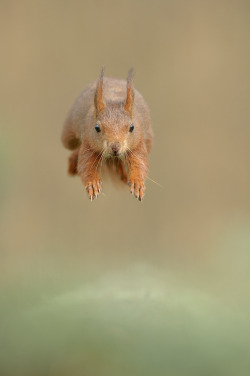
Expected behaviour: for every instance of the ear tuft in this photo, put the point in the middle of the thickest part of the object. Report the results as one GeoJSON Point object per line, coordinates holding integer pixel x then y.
{"type": "Point", "coordinates": [130, 93]}
{"type": "Point", "coordinates": [99, 104]}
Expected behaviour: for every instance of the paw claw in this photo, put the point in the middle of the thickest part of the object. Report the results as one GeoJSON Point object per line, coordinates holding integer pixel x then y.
{"type": "Point", "coordinates": [93, 189]}
{"type": "Point", "coordinates": [137, 188]}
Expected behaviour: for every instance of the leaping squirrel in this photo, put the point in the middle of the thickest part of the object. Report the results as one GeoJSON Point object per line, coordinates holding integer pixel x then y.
{"type": "Point", "coordinates": [109, 121]}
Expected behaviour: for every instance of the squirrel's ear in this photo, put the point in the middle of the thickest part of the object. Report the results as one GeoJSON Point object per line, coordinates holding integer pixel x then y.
{"type": "Point", "coordinates": [99, 104]}
{"type": "Point", "coordinates": [130, 93]}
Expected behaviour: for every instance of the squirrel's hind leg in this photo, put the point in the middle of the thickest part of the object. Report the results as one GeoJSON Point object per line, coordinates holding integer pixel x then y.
{"type": "Point", "coordinates": [117, 167]}
{"type": "Point", "coordinates": [73, 161]}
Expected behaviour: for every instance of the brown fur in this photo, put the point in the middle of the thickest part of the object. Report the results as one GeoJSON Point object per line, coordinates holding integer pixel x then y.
{"type": "Point", "coordinates": [114, 105]}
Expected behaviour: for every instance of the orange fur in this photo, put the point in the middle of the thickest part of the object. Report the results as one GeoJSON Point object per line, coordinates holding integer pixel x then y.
{"type": "Point", "coordinates": [98, 129]}
{"type": "Point", "coordinates": [99, 104]}
{"type": "Point", "coordinates": [130, 94]}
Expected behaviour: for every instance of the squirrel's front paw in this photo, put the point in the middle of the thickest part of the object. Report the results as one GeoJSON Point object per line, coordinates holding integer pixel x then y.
{"type": "Point", "coordinates": [137, 188]}
{"type": "Point", "coordinates": [93, 189]}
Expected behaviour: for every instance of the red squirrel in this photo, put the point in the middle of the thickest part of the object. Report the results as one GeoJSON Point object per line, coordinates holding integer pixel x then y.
{"type": "Point", "coordinates": [109, 121]}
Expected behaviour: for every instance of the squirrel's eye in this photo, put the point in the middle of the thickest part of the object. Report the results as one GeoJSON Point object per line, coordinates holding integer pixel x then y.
{"type": "Point", "coordinates": [131, 128]}
{"type": "Point", "coordinates": [97, 128]}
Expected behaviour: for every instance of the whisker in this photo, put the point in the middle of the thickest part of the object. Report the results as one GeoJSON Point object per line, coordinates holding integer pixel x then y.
{"type": "Point", "coordinates": [155, 182]}
{"type": "Point", "coordinates": [96, 158]}
{"type": "Point", "coordinates": [134, 155]}
{"type": "Point", "coordinates": [100, 159]}
{"type": "Point", "coordinates": [139, 160]}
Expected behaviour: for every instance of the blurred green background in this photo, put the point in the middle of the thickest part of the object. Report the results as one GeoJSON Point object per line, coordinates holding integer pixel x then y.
{"type": "Point", "coordinates": [116, 287]}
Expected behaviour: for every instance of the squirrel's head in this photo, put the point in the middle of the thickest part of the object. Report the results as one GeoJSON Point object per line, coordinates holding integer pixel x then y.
{"type": "Point", "coordinates": [114, 130]}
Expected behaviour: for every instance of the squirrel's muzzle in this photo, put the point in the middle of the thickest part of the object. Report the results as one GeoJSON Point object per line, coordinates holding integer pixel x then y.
{"type": "Point", "coordinates": [115, 147]}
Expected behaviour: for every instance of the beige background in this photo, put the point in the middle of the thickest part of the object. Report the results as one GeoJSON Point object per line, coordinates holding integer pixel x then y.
{"type": "Point", "coordinates": [116, 287]}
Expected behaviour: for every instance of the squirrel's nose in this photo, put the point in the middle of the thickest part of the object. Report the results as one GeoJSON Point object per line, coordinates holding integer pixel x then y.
{"type": "Point", "coordinates": [115, 148]}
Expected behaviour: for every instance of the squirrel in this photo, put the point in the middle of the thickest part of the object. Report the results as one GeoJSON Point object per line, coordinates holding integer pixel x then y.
{"type": "Point", "coordinates": [109, 121]}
